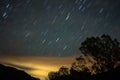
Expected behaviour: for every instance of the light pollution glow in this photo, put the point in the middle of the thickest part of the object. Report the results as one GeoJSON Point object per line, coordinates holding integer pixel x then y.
{"type": "Point", "coordinates": [36, 66]}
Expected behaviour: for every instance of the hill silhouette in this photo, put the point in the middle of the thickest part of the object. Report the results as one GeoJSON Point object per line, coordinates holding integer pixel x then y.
{"type": "Point", "coordinates": [10, 73]}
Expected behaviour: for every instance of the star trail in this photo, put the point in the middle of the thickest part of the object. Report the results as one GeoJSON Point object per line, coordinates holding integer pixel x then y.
{"type": "Point", "coordinates": [54, 27]}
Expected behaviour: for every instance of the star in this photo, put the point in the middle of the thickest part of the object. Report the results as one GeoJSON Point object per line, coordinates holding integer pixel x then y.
{"type": "Point", "coordinates": [55, 28]}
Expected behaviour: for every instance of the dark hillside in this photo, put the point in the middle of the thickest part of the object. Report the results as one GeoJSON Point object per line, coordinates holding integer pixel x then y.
{"type": "Point", "coordinates": [10, 73]}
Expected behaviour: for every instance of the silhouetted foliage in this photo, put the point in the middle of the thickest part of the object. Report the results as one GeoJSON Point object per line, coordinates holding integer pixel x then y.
{"type": "Point", "coordinates": [83, 75]}
{"type": "Point", "coordinates": [74, 75]}
{"type": "Point", "coordinates": [100, 55]}
{"type": "Point", "coordinates": [106, 51]}
{"type": "Point", "coordinates": [63, 71]}
{"type": "Point", "coordinates": [83, 62]}
{"type": "Point", "coordinates": [113, 74]}
{"type": "Point", "coordinates": [10, 73]}
{"type": "Point", "coordinates": [53, 75]}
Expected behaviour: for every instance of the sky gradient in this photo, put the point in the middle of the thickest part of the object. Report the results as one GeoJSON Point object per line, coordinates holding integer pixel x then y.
{"type": "Point", "coordinates": [54, 27]}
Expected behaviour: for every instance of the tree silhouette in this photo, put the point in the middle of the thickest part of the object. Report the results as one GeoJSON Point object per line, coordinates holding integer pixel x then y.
{"type": "Point", "coordinates": [84, 74]}
{"type": "Point", "coordinates": [63, 73]}
{"type": "Point", "coordinates": [100, 61]}
{"type": "Point", "coordinates": [106, 51]}
{"type": "Point", "coordinates": [66, 74]}
{"type": "Point", "coordinates": [53, 75]}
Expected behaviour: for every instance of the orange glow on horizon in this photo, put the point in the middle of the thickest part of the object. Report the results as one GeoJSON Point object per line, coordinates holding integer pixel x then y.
{"type": "Point", "coordinates": [37, 66]}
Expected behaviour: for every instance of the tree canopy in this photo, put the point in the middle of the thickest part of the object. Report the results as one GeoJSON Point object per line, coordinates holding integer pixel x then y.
{"type": "Point", "coordinates": [100, 60]}
{"type": "Point", "coordinates": [104, 49]}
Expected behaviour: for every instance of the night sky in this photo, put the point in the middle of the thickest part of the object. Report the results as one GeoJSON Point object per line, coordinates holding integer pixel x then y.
{"type": "Point", "coordinates": [54, 27]}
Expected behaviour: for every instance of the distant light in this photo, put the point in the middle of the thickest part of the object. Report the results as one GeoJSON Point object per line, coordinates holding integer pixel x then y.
{"type": "Point", "coordinates": [43, 41]}
{"type": "Point", "coordinates": [57, 39]}
{"type": "Point", "coordinates": [27, 34]}
{"type": "Point", "coordinates": [65, 47]}
{"type": "Point", "coordinates": [4, 14]}
{"type": "Point", "coordinates": [80, 7]}
{"type": "Point", "coordinates": [8, 5]}
{"type": "Point", "coordinates": [54, 20]}
{"type": "Point", "coordinates": [68, 15]}
{"type": "Point", "coordinates": [101, 10]}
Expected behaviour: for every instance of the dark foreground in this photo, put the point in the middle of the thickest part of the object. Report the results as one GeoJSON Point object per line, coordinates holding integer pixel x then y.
{"type": "Point", "coordinates": [10, 73]}
{"type": "Point", "coordinates": [113, 74]}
